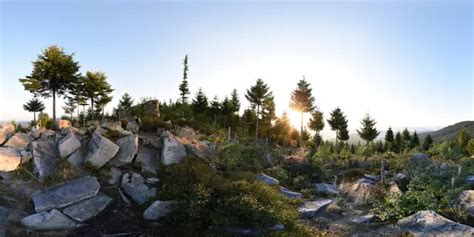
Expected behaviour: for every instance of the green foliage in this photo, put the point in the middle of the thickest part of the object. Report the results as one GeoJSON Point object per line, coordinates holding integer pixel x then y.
{"type": "Point", "coordinates": [261, 100]}
{"type": "Point", "coordinates": [427, 143]}
{"type": "Point", "coordinates": [415, 141]}
{"type": "Point", "coordinates": [34, 105]}
{"type": "Point", "coordinates": [45, 121]}
{"type": "Point", "coordinates": [95, 87]}
{"type": "Point", "coordinates": [368, 132]}
{"type": "Point", "coordinates": [302, 99]}
{"type": "Point", "coordinates": [53, 73]}
{"type": "Point", "coordinates": [240, 157]}
{"type": "Point", "coordinates": [149, 124]}
{"type": "Point", "coordinates": [338, 123]}
{"type": "Point", "coordinates": [449, 150]}
{"type": "Point", "coordinates": [281, 130]}
{"type": "Point", "coordinates": [470, 147]}
{"type": "Point", "coordinates": [125, 104]}
{"type": "Point", "coordinates": [206, 198]}
{"type": "Point", "coordinates": [183, 87]}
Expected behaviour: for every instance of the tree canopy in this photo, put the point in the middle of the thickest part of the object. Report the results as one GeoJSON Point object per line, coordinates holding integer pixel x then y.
{"type": "Point", "coordinates": [368, 132]}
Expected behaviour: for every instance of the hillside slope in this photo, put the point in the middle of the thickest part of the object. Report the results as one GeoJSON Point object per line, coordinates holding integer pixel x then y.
{"type": "Point", "coordinates": [450, 132]}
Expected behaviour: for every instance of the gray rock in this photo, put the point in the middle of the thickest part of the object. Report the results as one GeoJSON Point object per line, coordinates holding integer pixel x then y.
{"type": "Point", "coordinates": [328, 189]}
{"type": "Point", "coordinates": [152, 180]}
{"type": "Point", "coordinates": [112, 126]}
{"type": "Point", "coordinates": [420, 158]}
{"type": "Point", "coordinates": [429, 223]}
{"type": "Point", "coordinates": [465, 202]}
{"type": "Point", "coordinates": [311, 208]}
{"type": "Point", "coordinates": [133, 126]}
{"type": "Point", "coordinates": [45, 157]}
{"type": "Point", "coordinates": [267, 179]}
{"type": "Point", "coordinates": [173, 151]}
{"type": "Point", "coordinates": [402, 181]}
{"type": "Point", "coordinates": [360, 191]}
{"type": "Point", "coordinates": [88, 208]}
{"type": "Point", "coordinates": [363, 219]}
{"type": "Point", "coordinates": [128, 149]}
{"type": "Point", "coordinates": [290, 194]}
{"type": "Point", "coordinates": [148, 159]}
{"type": "Point", "coordinates": [52, 220]}
{"type": "Point", "coordinates": [152, 108]}
{"type": "Point", "coordinates": [134, 185]}
{"type": "Point", "coordinates": [25, 156]}
{"type": "Point", "coordinates": [68, 145]}
{"type": "Point", "coordinates": [6, 131]}
{"type": "Point", "coordinates": [10, 159]}
{"type": "Point", "coordinates": [470, 180]}
{"type": "Point", "coordinates": [66, 194]}
{"type": "Point", "coordinates": [204, 150]}
{"type": "Point", "coordinates": [19, 141]}
{"type": "Point", "coordinates": [393, 188]}
{"type": "Point", "coordinates": [375, 178]}
{"type": "Point", "coordinates": [158, 209]}
{"type": "Point", "coordinates": [115, 176]}
{"type": "Point", "coordinates": [76, 159]}
{"type": "Point", "coordinates": [101, 150]}
{"type": "Point", "coordinates": [47, 134]}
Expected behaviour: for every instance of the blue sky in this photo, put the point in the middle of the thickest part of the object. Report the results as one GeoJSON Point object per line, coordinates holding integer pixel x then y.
{"type": "Point", "coordinates": [407, 63]}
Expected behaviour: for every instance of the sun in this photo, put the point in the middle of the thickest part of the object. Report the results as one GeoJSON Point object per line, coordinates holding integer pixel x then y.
{"type": "Point", "coordinates": [295, 118]}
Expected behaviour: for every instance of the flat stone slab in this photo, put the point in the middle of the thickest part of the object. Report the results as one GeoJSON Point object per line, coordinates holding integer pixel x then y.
{"type": "Point", "coordinates": [66, 194]}
{"type": "Point", "coordinates": [290, 194]}
{"type": "Point", "coordinates": [10, 159]}
{"type": "Point", "coordinates": [101, 150]}
{"type": "Point", "coordinates": [267, 179]}
{"type": "Point", "coordinates": [158, 209]}
{"type": "Point", "coordinates": [88, 208]}
{"type": "Point", "coordinates": [311, 208]}
{"type": "Point", "coordinates": [45, 157]}
{"type": "Point", "coordinates": [49, 220]}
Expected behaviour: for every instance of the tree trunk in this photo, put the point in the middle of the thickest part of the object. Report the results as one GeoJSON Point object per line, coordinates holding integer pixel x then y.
{"type": "Point", "coordinates": [34, 118]}
{"type": "Point", "coordinates": [256, 127]}
{"type": "Point", "coordinates": [54, 106]}
{"type": "Point", "coordinates": [301, 130]}
{"type": "Point", "coordinates": [92, 107]}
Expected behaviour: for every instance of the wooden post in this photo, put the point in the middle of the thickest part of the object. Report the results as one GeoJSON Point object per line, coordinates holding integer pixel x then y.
{"type": "Point", "coordinates": [382, 171]}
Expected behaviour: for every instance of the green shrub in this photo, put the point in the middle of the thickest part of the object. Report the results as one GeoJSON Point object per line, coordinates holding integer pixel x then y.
{"type": "Point", "coordinates": [150, 124]}
{"type": "Point", "coordinates": [240, 157]}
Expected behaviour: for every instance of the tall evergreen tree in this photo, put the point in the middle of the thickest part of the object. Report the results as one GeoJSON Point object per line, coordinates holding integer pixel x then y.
{"type": "Point", "coordinates": [215, 107]}
{"type": "Point", "coordinates": [389, 139]}
{"type": "Point", "coordinates": [415, 141]}
{"type": "Point", "coordinates": [70, 106]}
{"type": "Point", "coordinates": [96, 88]}
{"type": "Point", "coordinates": [234, 98]}
{"type": "Point", "coordinates": [200, 103]}
{"type": "Point", "coordinates": [338, 123]}
{"type": "Point", "coordinates": [368, 132]}
{"type": "Point", "coordinates": [427, 142]}
{"type": "Point", "coordinates": [183, 87]}
{"type": "Point", "coordinates": [34, 105]}
{"type": "Point", "coordinates": [398, 144]}
{"type": "Point", "coordinates": [281, 130]}
{"type": "Point", "coordinates": [53, 72]}
{"type": "Point", "coordinates": [126, 102]}
{"type": "Point", "coordinates": [463, 138]}
{"type": "Point", "coordinates": [316, 123]}
{"type": "Point", "coordinates": [406, 138]}
{"type": "Point", "coordinates": [257, 95]}
{"type": "Point", "coordinates": [302, 100]}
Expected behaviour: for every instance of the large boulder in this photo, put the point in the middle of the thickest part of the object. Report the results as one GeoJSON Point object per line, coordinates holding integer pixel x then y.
{"type": "Point", "coordinates": [465, 202]}
{"type": "Point", "coordinates": [101, 150]}
{"type": "Point", "coordinates": [68, 145]}
{"type": "Point", "coordinates": [429, 223]}
{"type": "Point", "coordinates": [158, 209]}
{"type": "Point", "coordinates": [76, 159]}
{"type": "Point", "coordinates": [360, 191]}
{"type": "Point", "coordinates": [128, 149]}
{"type": "Point", "coordinates": [173, 151]}
{"type": "Point", "coordinates": [64, 123]}
{"type": "Point", "coordinates": [152, 108]}
{"type": "Point", "coordinates": [19, 141]}
{"type": "Point", "coordinates": [45, 157]}
{"type": "Point", "coordinates": [148, 159]}
{"type": "Point", "coordinates": [10, 159]}
{"type": "Point", "coordinates": [134, 185]}
{"type": "Point", "coordinates": [115, 126]}
{"type": "Point", "coordinates": [325, 188]}
{"type": "Point", "coordinates": [52, 220]}
{"type": "Point", "coordinates": [66, 194]}
{"type": "Point", "coordinates": [203, 150]}
{"type": "Point", "coordinates": [25, 156]}
{"type": "Point", "coordinates": [311, 208]}
{"type": "Point", "coordinates": [267, 179]}
{"type": "Point", "coordinates": [88, 208]}
{"type": "Point", "coordinates": [6, 131]}
{"type": "Point", "coordinates": [132, 126]}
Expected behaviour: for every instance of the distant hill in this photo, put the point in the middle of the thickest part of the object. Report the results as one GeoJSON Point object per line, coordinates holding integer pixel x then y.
{"type": "Point", "coordinates": [449, 132]}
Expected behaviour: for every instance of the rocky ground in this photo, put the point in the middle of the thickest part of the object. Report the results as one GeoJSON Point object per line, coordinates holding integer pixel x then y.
{"type": "Point", "coordinates": [100, 181]}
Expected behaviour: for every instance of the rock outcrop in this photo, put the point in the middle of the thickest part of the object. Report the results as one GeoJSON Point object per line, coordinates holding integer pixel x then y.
{"type": "Point", "coordinates": [66, 194]}
{"type": "Point", "coordinates": [10, 159]}
{"type": "Point", "coordinates": [68, 145]}
{"type": "Point", "coordinates": [429, 223]}
{"type": "Point", "coordinates": [19, 141]}
{"type": "Point", "coordinates": [148, 159]}
{"type": "Point", "coordinates": [45, 157]}
{"type": "Point", "coordinates": [172, 151]}
{"type": "Point", "coordinates": [6, 131]}
{"type": "Point", "coordinates": [101, 150]}
{"type": "Point", "coordinates": [128, 149]}
{"type": "Point", "coordinates": [134, 185]}
{"type": "Point", "coordinates": [465, 202]}
{"type": "Point", "coordinates": [290, 194]}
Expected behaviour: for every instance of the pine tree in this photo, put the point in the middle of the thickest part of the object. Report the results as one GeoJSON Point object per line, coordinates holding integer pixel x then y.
{"type": "Point", "coordinates": [406, 138]}
{"type": "Point", "coordinates": [200, 103]}
{"type": "Point", "coordinates": [234, 98]}
{"type": "Point", "coordinates": [34, 105]}
{"type": "Point", "coordinates": [183, 87]}
{"type": "Point", "coordinates": [70, 106]}
{"type": "Point", "coordinates": [302, 100]}
{"type": "Point", "coordinates": [96, 89]}
{"type": "Point", "coordinates": [368, 132]}
{"type": "Point", "coordinates": [415, 141]}
{"type": "Point", "coordinates": [126, 102]}
{"type": "Point", "coordinates": [398, 142]}
{"type": "Point", "coordinates": [316, 123]}
{"type": "Point", "coordinates": [427, 142]}
{"type": "Point", "coordinates": [338, 123]}
{"type": "Point", "coordinates": [463, 138]}
{"type": "Point", "coordinates": [258, 95]}
{"type": "Point", "coordinates": [215, 107]}
{"type": "Point", "coordinates": [281, 130]}
{"type": "Point", "coordinates": [389, 139]}
{"type": "Point", "coordinates": [52, 74]}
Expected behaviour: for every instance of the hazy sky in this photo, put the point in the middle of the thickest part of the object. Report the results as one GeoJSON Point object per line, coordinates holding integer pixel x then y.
{"type": "Point", "coordinates": [408, 63]}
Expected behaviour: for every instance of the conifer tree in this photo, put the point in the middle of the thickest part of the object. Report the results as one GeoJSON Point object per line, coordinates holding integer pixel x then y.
{"type": "Point", "coordinates": [34, 105]}
{"type": "Point", "coordinates": [302, 100]}
{"type": "Point", "coordinates": [398, 144]}
{"type": "Point", "coordinates": [258, 95]}
{"type": "Point", "coordinates": [415, 141]}
{"type": "Point", "coordinates": [96, 89]}
{"type": "Point", "coordinates": [215, 107]}
{"type": "Point", "coordinates": [316, 123]}
{"type": "Point", "coordinates": [281, 130]}
{"type": "Point", "coordinates": [200, 103]}
{"type": "Point", "coordinates": [427, 142]}
{"type": "Point", "coordinates": [463, 138]}
{"type": "Point", "coordinates": [406, 138]}
{"type": "Point", "coordinates": [389, 139]}
{"type": "Point", "coordinates": [368, 132]}
{"type": "Point", "coordinates": [235, 101]}
{"type": "Point", "coordinates": [183, 87]}
{"type": "Point", "coordinates": [338, 123]}
{"type": "Point", "coordinates": [53, 72]}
